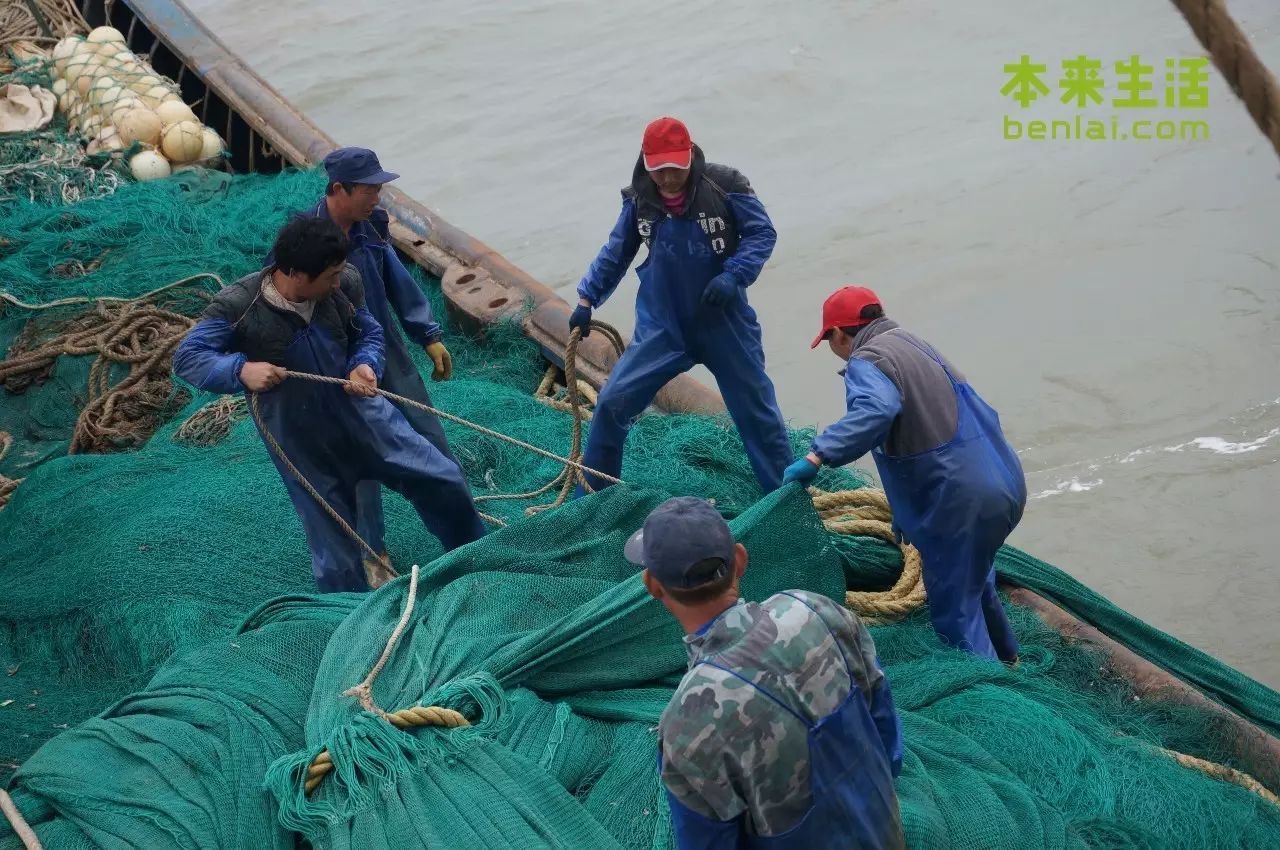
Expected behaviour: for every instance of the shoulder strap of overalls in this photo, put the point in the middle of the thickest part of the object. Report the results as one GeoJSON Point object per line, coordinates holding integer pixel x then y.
{"type": "Point", "coordinates": [834, 639]}
{"type": "Point", "coordinates": [758, 687]}
{"type": "Point", "coordinates": [770, 694]}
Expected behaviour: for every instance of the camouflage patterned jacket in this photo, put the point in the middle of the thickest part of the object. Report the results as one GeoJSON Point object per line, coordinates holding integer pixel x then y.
{"type": "Point", "coordinates": [728, 750]}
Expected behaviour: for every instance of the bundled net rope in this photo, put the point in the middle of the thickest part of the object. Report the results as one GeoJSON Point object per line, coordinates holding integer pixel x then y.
{"type": "Point", "coordinates": [134, 334]}
{"type": "Point", "coordinates": [212, 423]}
{"type": "Point", "coordinates": [39, 21]}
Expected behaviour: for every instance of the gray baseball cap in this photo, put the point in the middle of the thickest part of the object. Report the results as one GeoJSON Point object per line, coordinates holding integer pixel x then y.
{"type": "Point", "coordinates": [679, 534]}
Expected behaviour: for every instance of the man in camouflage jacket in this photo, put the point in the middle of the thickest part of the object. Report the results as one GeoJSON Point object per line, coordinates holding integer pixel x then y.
{"type": "Point", "coordinates": [783, 733]}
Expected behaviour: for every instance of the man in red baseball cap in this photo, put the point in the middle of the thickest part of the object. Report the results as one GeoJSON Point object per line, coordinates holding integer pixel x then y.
{"type": "Point", "coordinates": [955, 485]}
{"type": "Point", "coordinates": [708, 237]}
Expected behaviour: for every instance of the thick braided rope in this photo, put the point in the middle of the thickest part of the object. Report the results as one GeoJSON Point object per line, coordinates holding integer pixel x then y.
{"type": "Point", "coordinates": [7, 485]}
{"type": "Point", "coordinates": [866, 512]}
{"type": "Point", "coordinates": [1227, 774]}
{"type": "Point", "coordinates": [572, 475]}
{"type": "Point", "coordinates": [1237, 61]}
{"type": "Point", "coordinates": [119, 330]}
{"type": "Point", "coordinates": [576, 389]}
{"type": "Point", "coordinates": [405, 718]}
{"type": "Point", "coordinates": [21, 828]}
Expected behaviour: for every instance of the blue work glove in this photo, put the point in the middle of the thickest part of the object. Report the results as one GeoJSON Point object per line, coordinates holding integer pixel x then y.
{"type": "Point", "coordinates": [803, 470]}
{"type": "Point", "coordinates": [581, 318]}
{"type": "Point", "coordinates": [718, 292]}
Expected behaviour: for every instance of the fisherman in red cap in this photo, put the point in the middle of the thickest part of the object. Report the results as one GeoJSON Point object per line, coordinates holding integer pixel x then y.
{"type": "Point", "coordinates": [708, 237]}
{"type": "Point", "coordinates": [954, 484]}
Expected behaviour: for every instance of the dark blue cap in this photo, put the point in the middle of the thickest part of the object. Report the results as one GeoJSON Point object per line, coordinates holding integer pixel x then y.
{"type": "Point", "coordinates": [679, 534]}
{"type": "Point", "coordinates": [356, 165]}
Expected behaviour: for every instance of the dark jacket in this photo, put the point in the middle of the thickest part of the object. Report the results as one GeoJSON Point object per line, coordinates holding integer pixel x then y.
{"type": "Point", "coordinates": [241, 326]}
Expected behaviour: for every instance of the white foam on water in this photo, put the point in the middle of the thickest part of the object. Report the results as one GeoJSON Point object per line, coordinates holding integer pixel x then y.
{"type": "Point", "coordinates": [1073, 485]}
{"type": "Point", "coordinates": [1219, 445]}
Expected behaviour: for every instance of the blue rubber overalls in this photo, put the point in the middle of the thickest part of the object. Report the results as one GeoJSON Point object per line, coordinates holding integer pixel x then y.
{"type": "Point", "coordinates": [337, 441]}
{"type": "Point", "coordinates": [855, 752]}
{"type": "Point", "coordinates": [674, 330]}
{"type": "Point", "coordinates": [957, 504]}
{"type": "Point", "coordinates": [388, 284]}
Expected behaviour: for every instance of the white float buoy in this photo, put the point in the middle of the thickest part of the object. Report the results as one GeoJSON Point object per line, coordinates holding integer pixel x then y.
{"type": "Point", "coordinates": [62, 53]}
{"type": "Point", "coordinates": [174, 111]}
{"type": "Point", "coordinates": [123, 105]}
{"type": "Point", "coordinates": [149, 165]}
{"type": "Point", "coordinates": [104, 35]}
{"type": "Point", "coordinates": [210, 144]}
{"type": "Point", "coordinates": [154, 96]}
{"type": "Point", "coordinates": [182, 142]}
{"type": "Point", "coordinates": [139, 125]}
{"type": "Point", "coordinates": [106, 140]}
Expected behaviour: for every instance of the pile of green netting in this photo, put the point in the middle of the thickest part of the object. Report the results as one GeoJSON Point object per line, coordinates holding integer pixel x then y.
{"type": "Point", "coordinates": [167, 673]}
{"type": "Point", "coordinates": [50, 164]}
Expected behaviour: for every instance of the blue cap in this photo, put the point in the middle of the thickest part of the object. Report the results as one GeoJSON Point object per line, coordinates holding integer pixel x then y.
{"type": "Point", "coordinates": [356, 165]}
{"type": "Point", "coordinates": [680, 533]}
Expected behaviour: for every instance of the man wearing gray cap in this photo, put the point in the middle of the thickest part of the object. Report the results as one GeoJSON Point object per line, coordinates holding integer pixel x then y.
{"type": "Point", "coordinates": [783, 732]}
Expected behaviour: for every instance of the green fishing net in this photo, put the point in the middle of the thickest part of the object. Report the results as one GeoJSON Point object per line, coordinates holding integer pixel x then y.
{"type": "Point", "coordinates": [172, 674]}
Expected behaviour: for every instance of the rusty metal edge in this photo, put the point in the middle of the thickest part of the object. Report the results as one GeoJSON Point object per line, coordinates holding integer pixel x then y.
{"type": "Point", "coordinates": [430, 240]}
{"type": "Point", "coordinates": [1257, 750]}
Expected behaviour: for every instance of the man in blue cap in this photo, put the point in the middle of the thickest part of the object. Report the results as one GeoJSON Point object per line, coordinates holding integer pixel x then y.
{"type": "Point", "coordinates": [783, 732]}
{"type": "Point", "coordinates": [351, 199]}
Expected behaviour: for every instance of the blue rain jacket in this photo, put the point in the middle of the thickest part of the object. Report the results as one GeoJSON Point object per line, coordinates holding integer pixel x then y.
{"type": "Point", "coordinates": [722, 229]}
{"type": "Point", "coordinates": [388, 286]}
{"type": "Point", "coordinates": [335, 440]}
{"type": "Point", "coordinates": [956, 503]}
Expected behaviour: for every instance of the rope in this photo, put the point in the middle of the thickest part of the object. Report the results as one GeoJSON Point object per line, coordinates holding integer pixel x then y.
{"type": "Point", "coordinates": [40, 20]}
{"type": "Point", "coordinates": [19, 824]}
{"type": "Point", "coordinates": [364, 690]}
{"type": "Point", "coordinates": [1221, 771]}
{"type": "Point", "coordinates": [405, 718]}
{"type": "Point", "coordinates": [302, 479]}
{"type": "Point", "coordinates": [866, 512]}
{"type": "Point", "coordinates": [568, 477]}
{"type": "Point", "coordinates": [7, 485]}
{"type": "Point", "coordinates": [488, 432]}
{"type": "Point", "coordinates": [119, 331]}
{"type": "Point", "coordinates": [1237, 61]}
{"type": "Point", "coordinates": [95, 299]}
{"type": "Point", "coordinates": [212, 423]}
{"type": "Point", "coordinates": [571, 475]}
{"type": "Point", "coordinates": [549, 395]}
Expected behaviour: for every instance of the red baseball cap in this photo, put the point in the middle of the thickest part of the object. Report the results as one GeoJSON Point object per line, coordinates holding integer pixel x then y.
{"type": "Point", "coordinates": [667, 145]}
{"type": "Point", "coordinates": [844, 310]}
